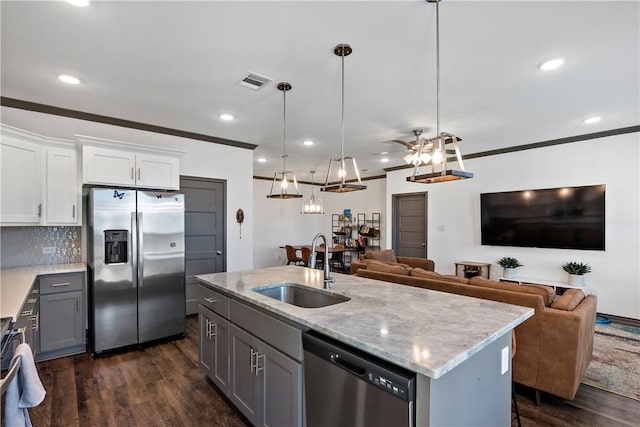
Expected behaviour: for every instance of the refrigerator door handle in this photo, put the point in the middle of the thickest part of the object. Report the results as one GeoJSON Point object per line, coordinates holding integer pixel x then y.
{"type": "Point", "coordinates": [140, 250]}
{"type": "Point", "coordinates": [133, 253]}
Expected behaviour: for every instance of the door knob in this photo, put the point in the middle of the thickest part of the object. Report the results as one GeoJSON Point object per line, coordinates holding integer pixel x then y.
{"type": "Point", "coordinates": [219, 252]}
{"type": "Point", "coordinates": [423, 245]}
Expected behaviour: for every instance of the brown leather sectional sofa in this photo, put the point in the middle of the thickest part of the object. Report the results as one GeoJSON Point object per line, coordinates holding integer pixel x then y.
{"type": "Point", "coordinates": [554, 346]}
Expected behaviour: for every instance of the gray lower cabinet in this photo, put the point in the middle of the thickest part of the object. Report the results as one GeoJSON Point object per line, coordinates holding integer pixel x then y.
{"type": "Point", "coordinates": [61, 316]}
{"type": "Point", "coordinates": [265, 385]}
{"type": "Point", "coordinates": [214, 347]}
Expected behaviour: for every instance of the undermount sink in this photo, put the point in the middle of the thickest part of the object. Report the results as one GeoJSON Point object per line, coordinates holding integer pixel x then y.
{"type": "Point", "coordinates": [300, 295]}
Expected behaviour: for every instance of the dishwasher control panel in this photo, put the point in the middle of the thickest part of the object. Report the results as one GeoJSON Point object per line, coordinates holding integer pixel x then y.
{"type": "Point", "coordinates": [392, 387]}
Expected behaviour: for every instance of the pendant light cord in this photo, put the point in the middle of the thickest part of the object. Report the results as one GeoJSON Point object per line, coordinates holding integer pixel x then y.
{"type": "Point", "coordinates": [438, 76]}
{"type": "Point", "coordinates": [284, 133]}
{"type": "Point", "coordinates": [342, 166]}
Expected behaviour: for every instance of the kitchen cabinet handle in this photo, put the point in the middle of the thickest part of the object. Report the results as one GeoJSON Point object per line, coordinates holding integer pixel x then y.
{"type": "Point", "coordinates": [32, 300]}
{"type": "Point", "coordinates": [35, 325]}
{"type": "Point", "coordinates": [208, 331]}
{"type": "Point", "coordinates": [210, 300]}
{"type": "Point", "coordinates": [132, 173]}
{"type": "Point", "coordinates": [57, 285]}
{"type": "Point", "coordinates": [77, 307]}
{"type": "Point", "coordinates": [258, 368]}
{"type": "Point", "coordinates": [253, 366]}
{"type": "Point", "coordinates": [39, 209]}
{"type": "Point", "coordinates": [214, 331]}
{"type": "Point", "coordinates": [35, 291]}
{"type": "Point", "coordinates": [138, 174]}
{"type": "Point", "coordinates": [27, 312]}
{"type": "Point", "coordinates": [73, 211]}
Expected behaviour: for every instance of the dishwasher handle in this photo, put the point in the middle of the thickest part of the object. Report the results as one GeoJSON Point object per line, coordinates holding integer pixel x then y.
{"type": "Point", "coordinates": [348, 366]}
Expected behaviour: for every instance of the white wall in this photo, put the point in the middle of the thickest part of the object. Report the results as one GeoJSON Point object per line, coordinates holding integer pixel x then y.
{"type": "Point", "coordinates": [201, 159]}
{"type": "Point", "coordinates": [279, 222]}
{"type": "Point", "coordinates": [614, 161]}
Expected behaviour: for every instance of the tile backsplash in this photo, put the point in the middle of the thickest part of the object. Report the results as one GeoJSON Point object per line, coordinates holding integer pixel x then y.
{"type": "Point", "coordinates": [20, 246]}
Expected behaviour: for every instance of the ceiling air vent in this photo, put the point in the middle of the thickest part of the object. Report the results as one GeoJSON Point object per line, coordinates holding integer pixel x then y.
{"type": "Point", "coordinates": [254, 81]}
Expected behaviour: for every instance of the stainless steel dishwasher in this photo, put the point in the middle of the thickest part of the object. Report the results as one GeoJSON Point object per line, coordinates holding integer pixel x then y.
{"type": "Point", "coordinates": [347, 387]}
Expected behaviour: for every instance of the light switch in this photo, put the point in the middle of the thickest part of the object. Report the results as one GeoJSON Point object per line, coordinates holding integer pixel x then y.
{"type": "Point", "coordinates": [505, 361]}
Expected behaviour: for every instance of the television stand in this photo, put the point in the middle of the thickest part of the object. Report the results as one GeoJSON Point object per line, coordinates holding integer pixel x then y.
{"type": "Point", "coordinates": [555, 284]}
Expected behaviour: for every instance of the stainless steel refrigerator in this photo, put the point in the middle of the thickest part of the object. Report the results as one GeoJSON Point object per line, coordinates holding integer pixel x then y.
{"type": "Point", "coordinates": [136, 267]}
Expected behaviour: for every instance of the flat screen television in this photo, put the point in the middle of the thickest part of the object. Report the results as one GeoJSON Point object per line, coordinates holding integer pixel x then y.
{"type": "Point", "coordinates": [562, 218]}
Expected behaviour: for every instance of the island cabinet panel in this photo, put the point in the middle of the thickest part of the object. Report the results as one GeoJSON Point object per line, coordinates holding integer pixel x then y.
{"type": "Point", "coordinates": [244, 382]}
{"type": "Point", "coordinates": [214, 347]}
{"type": "Point", "coordinates": [265, 385]}
{"type": "Point", "coordinates": [280, 389]}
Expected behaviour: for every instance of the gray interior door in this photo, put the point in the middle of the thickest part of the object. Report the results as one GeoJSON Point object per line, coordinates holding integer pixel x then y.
{"type": "Point", "coordinates": [205, 242]}
{"type": "Point", "coordinates": [410, 224]}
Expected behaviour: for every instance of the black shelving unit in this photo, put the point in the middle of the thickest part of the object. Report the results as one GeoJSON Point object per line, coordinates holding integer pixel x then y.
{"type": "Point", "coordinates": [342, 229]}
{"type": "Point", "coordinates": [368, 232]}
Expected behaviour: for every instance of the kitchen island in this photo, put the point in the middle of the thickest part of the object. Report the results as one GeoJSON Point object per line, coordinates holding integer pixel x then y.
{"type": "Point", "coordinates": [456, 345]}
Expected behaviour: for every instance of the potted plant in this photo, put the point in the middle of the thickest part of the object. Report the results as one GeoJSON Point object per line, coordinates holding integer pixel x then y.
{"type": "Point", "coordinates": [509, 266]}
{"type": "Point", "coordinates": [576, 271]}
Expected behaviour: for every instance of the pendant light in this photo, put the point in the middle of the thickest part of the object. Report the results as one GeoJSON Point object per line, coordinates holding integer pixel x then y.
{"type": "Point", "coordinates": [435, 148]}
{"type": "Point", "coordinates": [312, 205]}
{"type": "Point", "coordinates": [286, 192]}
{"type": "Point", "coordinates": [341, 185]}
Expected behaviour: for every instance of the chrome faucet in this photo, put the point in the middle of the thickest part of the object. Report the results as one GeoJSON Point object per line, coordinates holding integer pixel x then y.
{"type": "Point", "coordinates": [327, 278]}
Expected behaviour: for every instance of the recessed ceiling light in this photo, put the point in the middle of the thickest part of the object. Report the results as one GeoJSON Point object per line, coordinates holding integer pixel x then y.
{"type": "Point", "coordinates": [69, 79]}
{"type": "Point", "coordinates": [262, 160]}
{"type": "Point", "coordinates": [79, 3]}
{"type": "Point", "coordinates": [307, 142]}
{"type": "Point", "coordinates": [551, 64]}
{"type": "Point", "coordinates": [592, 120]}
{"type": "Point", "coordinates": [384, 159]}
{"type": "Point", "coordinates": [226, 117]}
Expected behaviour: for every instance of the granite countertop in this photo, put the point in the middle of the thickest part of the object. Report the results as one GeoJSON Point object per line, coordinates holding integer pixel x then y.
{"type": "Point", "coordinates": [15, 284]}
{"type": "Point", "coordinates": [425, 331]}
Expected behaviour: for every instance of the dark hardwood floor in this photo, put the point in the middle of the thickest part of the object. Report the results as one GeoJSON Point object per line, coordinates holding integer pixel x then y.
{"type": "Point", "coordinates": [163, 386]}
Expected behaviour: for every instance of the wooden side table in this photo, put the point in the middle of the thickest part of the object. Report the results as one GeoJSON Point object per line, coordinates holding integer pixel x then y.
{"type": "Point", "coordinates": [482, 268]}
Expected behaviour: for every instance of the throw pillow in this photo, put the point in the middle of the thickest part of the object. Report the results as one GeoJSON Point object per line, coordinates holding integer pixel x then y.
{"type": "Point", "coordinates": [384, 267]}
{"type": "Point", "coordinates": [547, 293]}
{"type": "Point", "coordinates": [569, 300]}
{"type": "Point", "coordinates": [386, 255]}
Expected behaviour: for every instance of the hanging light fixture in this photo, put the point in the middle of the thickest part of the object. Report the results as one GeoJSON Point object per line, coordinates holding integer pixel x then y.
{"type": "Point", "coordinates": [435, 148]}
{"type": "Point", "coordinates": [341, 185]}
{"type": "Point", "coordinates": [312, 205]}
{"type": "Point", "coordinates": [286, 192]}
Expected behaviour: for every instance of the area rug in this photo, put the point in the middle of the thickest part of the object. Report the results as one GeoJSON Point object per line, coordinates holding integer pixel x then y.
{"type": "Point", "coordinates": [615, 365]}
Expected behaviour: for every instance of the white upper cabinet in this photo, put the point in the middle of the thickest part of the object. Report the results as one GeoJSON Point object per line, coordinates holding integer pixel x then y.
{"type": "Point", "coordinates": [40, 183]}
{"type": "Point", "coordinates": [105, 166]}
{"type": "Point", "coordinates": [155, 171]}
{"type": "Point", "coordinates": [21, 187]}
{"type": "Point", "coordinates": [117, 163]}
{"type": "Point", "coordinates": [63, 192]}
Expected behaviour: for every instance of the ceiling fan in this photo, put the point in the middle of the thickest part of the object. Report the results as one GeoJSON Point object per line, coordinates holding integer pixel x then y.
{"type": "Point", "coordinates": [414, 156]}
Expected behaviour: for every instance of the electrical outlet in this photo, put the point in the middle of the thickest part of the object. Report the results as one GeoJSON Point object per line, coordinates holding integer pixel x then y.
{"type": "Point", "coordinates": [505, 361]}
{"type": "Point", "coordinates": [48, 250]}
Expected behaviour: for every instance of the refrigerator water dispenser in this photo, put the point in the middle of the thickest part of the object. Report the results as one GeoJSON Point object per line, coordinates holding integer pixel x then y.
{"type": "Point", "coordinates": [116, 246]}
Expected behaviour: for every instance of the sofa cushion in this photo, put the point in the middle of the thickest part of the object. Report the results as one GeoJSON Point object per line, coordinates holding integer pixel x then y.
{"type": "Point", "coordinates": [385, 267]}
{"type": "Point", "coordinates": [546, 292]}
{"type": "Point", "coordinates": [569, 300]}
{"type": "Point", "coordinates": [386, 255]}
{"type": "Point", "coordinates": [420, 272]}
